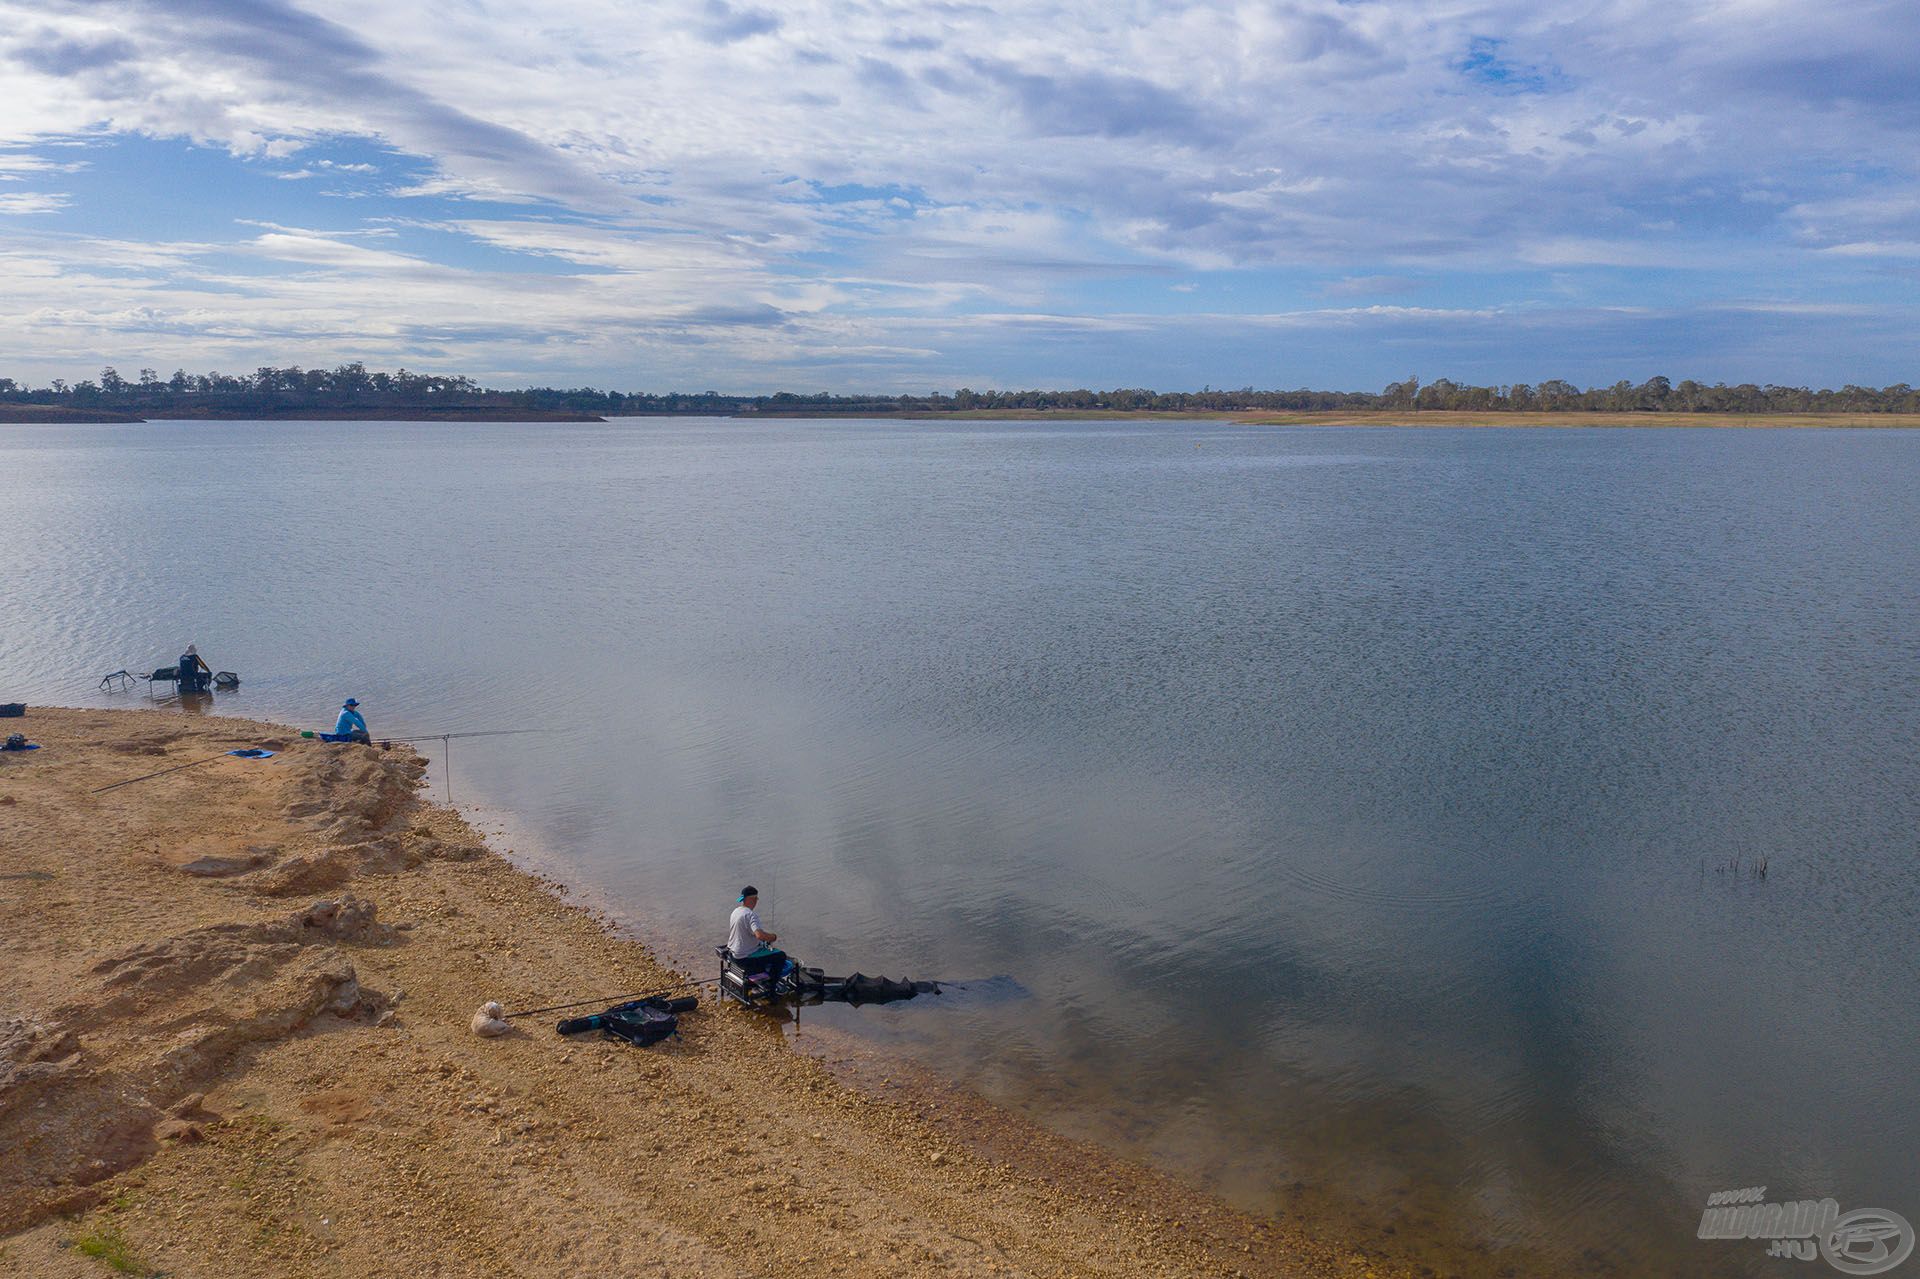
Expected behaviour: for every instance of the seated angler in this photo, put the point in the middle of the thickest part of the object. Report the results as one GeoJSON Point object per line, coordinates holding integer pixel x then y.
{"type": "Point", "coordinates": [350, 727]}
{"type": "Point", "coordinates": [745, 937]}
{"type": "Point", "coordinates": [194, 674]}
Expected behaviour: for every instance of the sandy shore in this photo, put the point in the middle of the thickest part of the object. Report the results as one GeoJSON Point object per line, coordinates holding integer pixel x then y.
{"type": "Point", "coordinates": [234, 1041]}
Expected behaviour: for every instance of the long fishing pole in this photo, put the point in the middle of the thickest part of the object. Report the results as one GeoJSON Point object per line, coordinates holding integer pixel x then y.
{"type": "Point", "coordinates": [605, 1000]}
{"type": "Point", "coordinates": [441, 737]}
{"type": "Point", "coordinates": [162, 773]}
{"type": "Point", "coordinates": [446, 745]}
{"type": "Point", "coordinates": [428, 737]}
{"type": "Point", "coordinates": [446, 748]}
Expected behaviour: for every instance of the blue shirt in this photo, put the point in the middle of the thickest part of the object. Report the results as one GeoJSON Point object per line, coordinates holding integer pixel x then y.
{"type": "Point", "coordinates": [350, 722]}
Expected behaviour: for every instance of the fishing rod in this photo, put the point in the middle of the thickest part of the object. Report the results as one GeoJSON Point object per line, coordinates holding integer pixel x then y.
{"type": "Point", "coordinates": [162, 773]}
{"type": "Point", "coordinates": [607, 1000]}
{"type": "Point", "coordinates": [446, 741]}
{"type": "Point", "coordinates": [443, 737]}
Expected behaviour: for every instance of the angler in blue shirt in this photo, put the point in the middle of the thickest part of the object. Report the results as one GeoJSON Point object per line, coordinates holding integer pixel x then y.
{"type": "Point", "coordinates": [351, 727]}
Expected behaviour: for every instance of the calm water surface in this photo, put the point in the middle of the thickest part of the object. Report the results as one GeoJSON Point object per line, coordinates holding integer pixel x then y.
{"type": "Point", "coordinates": [1344, 810]}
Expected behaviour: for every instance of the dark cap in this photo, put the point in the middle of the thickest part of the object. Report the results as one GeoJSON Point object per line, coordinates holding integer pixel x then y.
{"type": "Point", "coordinates": [353, 701]}
{"type": "Point", "coordinates": [749, 891]}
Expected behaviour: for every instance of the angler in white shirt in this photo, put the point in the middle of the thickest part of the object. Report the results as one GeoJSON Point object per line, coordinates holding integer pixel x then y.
{"type": "Point", "coordinates": [745, 937]}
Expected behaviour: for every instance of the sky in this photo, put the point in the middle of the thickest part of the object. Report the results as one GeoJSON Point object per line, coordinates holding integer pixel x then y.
{"type": "Point", "coordinates": [861, 195]}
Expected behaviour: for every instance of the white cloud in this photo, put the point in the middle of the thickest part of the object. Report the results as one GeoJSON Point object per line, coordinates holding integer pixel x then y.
{"type": "Point", "coordinates": [1875, 249]}
{"type": "Point", "coordinates": [827, 162]}
{"type": "Point", "coordinates": [1581, 251]}
{"type": "Point", "coordinates": [18, 166]}
{"type": "Point", "coordinates": [21, 203]}
{"type": "Point", "coordinates": [1247, 134]}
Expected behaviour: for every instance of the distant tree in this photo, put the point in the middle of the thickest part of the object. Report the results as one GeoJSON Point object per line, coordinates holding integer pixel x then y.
{"type": "Point", "coordinates": [1556, 395]}
{"type": "Point", "coordinates": [353, 385]}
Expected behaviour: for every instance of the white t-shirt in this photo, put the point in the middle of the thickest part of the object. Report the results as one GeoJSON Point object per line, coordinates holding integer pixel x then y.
{"type": "Point", "coordinates": [740, 931]}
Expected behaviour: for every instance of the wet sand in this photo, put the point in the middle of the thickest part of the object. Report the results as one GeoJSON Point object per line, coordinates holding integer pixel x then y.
{"type": "Point", "coordinates": [234, 1039]}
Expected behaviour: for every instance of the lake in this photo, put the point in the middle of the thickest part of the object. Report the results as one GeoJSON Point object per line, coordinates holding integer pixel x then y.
{"type": "Point", "coordinates": [1367, 822]}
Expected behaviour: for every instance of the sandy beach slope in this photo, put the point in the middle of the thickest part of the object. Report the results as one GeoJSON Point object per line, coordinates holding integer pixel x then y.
{"type": "Point", "coordinates": [234, 1042]}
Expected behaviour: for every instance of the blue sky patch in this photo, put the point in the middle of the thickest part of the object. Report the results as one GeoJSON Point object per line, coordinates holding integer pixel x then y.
{"type": "Point", "coordinates": [1486, 62]}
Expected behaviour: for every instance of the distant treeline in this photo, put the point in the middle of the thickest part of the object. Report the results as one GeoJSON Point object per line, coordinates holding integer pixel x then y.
{"type": "Point", "coordinates": [352, 388]}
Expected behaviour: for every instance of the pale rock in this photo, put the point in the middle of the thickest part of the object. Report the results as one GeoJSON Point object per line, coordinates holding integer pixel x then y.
{"type": "Point", "coordinates": [488, 1023]}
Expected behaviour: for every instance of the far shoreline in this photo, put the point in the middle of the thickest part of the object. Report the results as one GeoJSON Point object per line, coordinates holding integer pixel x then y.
{"type": "Point", "coordinates": [1432, 418]}
{"type": "Point", "coordinates": [1429, 419]}
{"type": "Point", "coordinates": [1396, 419]}
{"type": "Point", "coordinates": [11, 415]}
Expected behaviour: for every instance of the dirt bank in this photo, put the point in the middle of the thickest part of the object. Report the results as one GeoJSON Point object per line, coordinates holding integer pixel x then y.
{"type": "Point", "coordinates": [234, 1041]}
